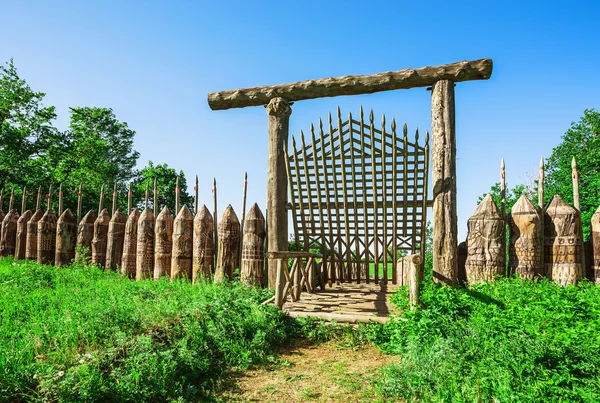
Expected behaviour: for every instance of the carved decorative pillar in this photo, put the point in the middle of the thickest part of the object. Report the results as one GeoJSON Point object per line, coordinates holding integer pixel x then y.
{"type": "Point", "coordinates": [279, 112]}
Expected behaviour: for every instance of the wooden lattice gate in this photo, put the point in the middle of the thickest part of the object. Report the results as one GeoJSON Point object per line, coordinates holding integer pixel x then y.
{"type": "Point", "coordinates": [359, 194]}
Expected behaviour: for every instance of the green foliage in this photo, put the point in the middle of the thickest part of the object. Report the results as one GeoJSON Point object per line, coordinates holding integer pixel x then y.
{"type": "Point", "coordinates": [80, 334]}
{"type": "Point", "coordinates": [26, 131]}
{"type": "Point", "coordinates": [582, 141]}
{"type": "Point", "coordinates": [511, 195]}
{"type": "Point", "coordinates": [166, 178]}
{"type": "Point", "coordinates": [513, 340]}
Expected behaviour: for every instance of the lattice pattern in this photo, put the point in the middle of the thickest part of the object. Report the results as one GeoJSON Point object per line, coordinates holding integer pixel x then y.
{"type": "Point", "coordinates": [360, 193]}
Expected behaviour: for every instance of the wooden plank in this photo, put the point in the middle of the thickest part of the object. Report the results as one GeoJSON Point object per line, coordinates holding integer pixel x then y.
{"type": "Point", "coordinates": [309, 196]}
{"type": "Point", "coordinates": [331, 262]}
{"type": "Point", "coordinates": [294, 193]}
{"type": "Point", "coordinates": [291, 255]}
{"type": "Point", "coordinates": [394, 202]}
{"type": "Point", "coordinates": [374, 196]}
{"type": "Point", "coordinates": [356, 262]}
{"type": "Point", "coordinates": [384, 196]}
{"type": "Point", "coordinates": [415, 176]}
{"type": "Point", "coordinates": [352, 85]}
{"type": "Point", "coordinates": [319, 195]}
{"type": "Point", "coordinates": [345, 196]}
{"type": "Point", "coordinates": [363, 167]}
{"type": "Point", "coordinates": [339, 261]}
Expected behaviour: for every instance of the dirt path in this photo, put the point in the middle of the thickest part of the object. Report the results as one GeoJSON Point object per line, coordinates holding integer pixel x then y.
{"type": "Point", "coordinates": [323, 373]}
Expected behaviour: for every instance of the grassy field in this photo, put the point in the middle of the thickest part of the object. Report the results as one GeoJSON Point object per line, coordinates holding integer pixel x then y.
{"type": "Point", "coordinates": [81, 334]}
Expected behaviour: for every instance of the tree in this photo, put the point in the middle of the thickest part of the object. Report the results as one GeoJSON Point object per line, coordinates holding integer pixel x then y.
{"type": "Point", "coordinates": [96, 150]}
{"type": "Point", "coordinates": [582, 141]}
{"type": "Point", "coordinates": [165, 183]}
{"type": "Point", "coordinates": [511, 195]}
{"type": "Point", "coordinates": [26, 131]}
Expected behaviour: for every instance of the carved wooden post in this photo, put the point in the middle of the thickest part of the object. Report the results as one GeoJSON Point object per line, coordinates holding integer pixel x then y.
{"type": "Point", "coordinates": [176, 195]}
{"type": "Point", "coordinates": [31, 240]}
{"type": "Point", "coordinates": [85, 234]}
{"type": "Point", "coordinates": [24, 200]}
{"type": "Point", "coordinates": [66, 237]}
{"type": "Point", "coordinates": [79, 203]}
{"type": "Point", "coordinates": [253, 255]}
{"type": "Point", "coordinates": [99, 242]}
{"type": "Point", "coordinates": [144, 265]}
{"type": "Point", "coordinates": [525, 253]}
{"type": "Point", "coordinates": [196, 196]}
{"type": "Point", "coordinates": [415, 262]}
{"type": "Point", "coordinates": [486, 243]}
{"type": "Point", "coordinates": [60, 201]}
{"type": "Point", "coordinates": [279, 112]}
{"type": "Point", "coordinates": [183, 229]}
{"type": "Point", "coordinates": [46, 238]}
{"type": "Point", "coordinates": [130, 245]}
{"type": "Point", "coordinates": [203, 259]}
{"type": "Point", "coordinates": [243, 216]}
{"type": "Point", "coordinates": [562, 241]}
{"type": "Point", "coordinates": [21, 246]}
{"type": "Point", "coordinates": [443, 161]}
{"type": "Point", "coordinates": [229, 239]}
{"type": "Point", "coordinates": [116, 236]}
{"type": "Point", "coordinates": [596, 246]}
{"type": "Point", "coordinates": [163, 243]}
{"type": "Point", "coordinates": [8, 241]}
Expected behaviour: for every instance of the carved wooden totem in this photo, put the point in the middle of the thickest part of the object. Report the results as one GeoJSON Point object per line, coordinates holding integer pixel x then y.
{"type": "Point", "coordinates": [46, 238]}
{"type": "Point", "coordinates": [66, 237]}
{"type": "Point", "coordinates": [31, 240]}
{"type": "Point", "coordinates": [562, 242]}
{"type": "Point", "coordinates": [253, 252]}
{"type": "Point", "coordinates": [116, 236]}
{"type": "Point", "coordinates": [229, 245]}
{"type": "Point", "coordinates": [525, 254]}
{"type": "Point", "coordinates": [183, 230]}
{"type": "Point", "coordinates": [85, 234]}
{"type": "Point", "coordinates": [8, 238]}
{"type": "Point", "coordinates": [202, 256]}
{"type": "Point", "coordinates": [144, 264]}
{"type": "Point", "coordinates": [130, 244]}
{"type": "Point", "coordinates": [100, 241]}
{"type": "Point", "coordinates": [486, 246]}
{"type": "Point", "coordinates": [163, 243]}
{"type": "Point", "coordinates": [21, 246]}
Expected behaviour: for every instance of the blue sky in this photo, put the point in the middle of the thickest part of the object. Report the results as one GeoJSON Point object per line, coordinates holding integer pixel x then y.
{"type": "Point", "coordinates": [155, 62]}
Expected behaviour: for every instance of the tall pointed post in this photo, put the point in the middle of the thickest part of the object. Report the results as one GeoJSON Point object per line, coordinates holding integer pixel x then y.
{"type": "Point", "coordinates": [79, 203]}
{"type": "Point", "coordinates": [129, 202]}
{"type": "Point", "coordinates": [146, 197]}
{"type": "Point", "coordinates": [24, 200]}
{"type": "Point", "coordinates": [1, 199]}
{"type": "Point", "coordinates": [541, 187]}
{"type": "Point", "coordinates": [243, 216]}
{"type": "Point", "coordinates": [38, 202]}
{"type": "Point", "coordinates": [279, 112]}
{"type": "Point", "coordinates": [114, 200]}
{"type": "Point", "coordinates": [101, 200]}
{"type": "Point", "coordinates": [60, 200]}
{"type": "Point", "coordinates": [575, 177]}
{"type": "Point", "coordinates": [196, 196]}
{"type": "Point", "coordinates": [176, 195]}
{"type": "Point", "coordinates": [215, 236]}
{"type": "Point", "coordinates": [443, 162]}
{"type": "Point", "coordinates": [49, 197]}
{"type": "Point", "coordinates": [155, 205]}
{"type": "Point", "coordinates": [502, 188]}
{"type": "Point", "coordinates": [12, 199]}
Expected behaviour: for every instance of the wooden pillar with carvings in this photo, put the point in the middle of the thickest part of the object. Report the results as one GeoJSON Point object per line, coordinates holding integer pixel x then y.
{"type": "Point", "coordinates": [279, 112]}
{"type": "Point", "coordinates": [443, 162]}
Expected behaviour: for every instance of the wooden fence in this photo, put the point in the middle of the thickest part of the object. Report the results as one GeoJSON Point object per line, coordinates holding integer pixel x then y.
{"type": "Point", "coordinates": [543, 241]}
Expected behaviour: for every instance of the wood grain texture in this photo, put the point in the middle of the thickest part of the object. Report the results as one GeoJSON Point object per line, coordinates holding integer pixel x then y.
{"type": "Point", "coordinates": [352, 85]}
{"type": "Point", "coordinates": [100, 240]}
{"type": "Point", "coordinates": [443, 164]}
{"type": "Point", "coordinates": [8, 237]}
{"type": "Point", "coordinates": [116, 237]}
{"type": "Point", "coordinates": [229, 239]}
{"type": "Point", "coordinates": [46, 238]}
{"type": "Point", "coordinates": [21, 245]}
{"type": "Point", "coordinates": [163, 243]}
{"type": "Point", "coordinates": [279, 113]}
{"type": "Point", "coordinates": [85, 234]}
{"type": "Point", "coordinates": [128, 260]}
{"type": "Point", "coordinates": [525, 252]}
{"type": "Point", "coordinates": [253, 255]}
{"type": "Point", "coordinates": [144, 264]}
{"type": "Point", "coordinates": [202, 254]}
{"type": "Point", "coordinates": [66, 238]}
{"type": "Point", "coordinates": [181, 254]}
{"type": "Point", "coordinates": [596, 246]}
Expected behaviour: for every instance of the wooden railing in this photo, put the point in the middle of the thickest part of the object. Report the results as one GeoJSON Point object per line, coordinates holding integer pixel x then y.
{"type": "Point", "coordinates": [305, 273]}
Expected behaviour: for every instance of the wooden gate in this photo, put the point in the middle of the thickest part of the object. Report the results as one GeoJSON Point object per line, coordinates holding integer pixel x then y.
{"type": "Point", "coordinates": [359, 196]}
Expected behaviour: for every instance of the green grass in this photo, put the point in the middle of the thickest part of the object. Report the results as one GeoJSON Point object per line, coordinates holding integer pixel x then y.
{"type": "Point", "coordinates": [510, 341]}
{"type": "Point", "coordinates": [81, 334]}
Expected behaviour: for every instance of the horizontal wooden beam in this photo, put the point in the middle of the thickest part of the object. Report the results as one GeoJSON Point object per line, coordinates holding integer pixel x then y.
{"type": "Point", "coordinates": [291, 255]}
{"type": "Point", "coordinates": [352, 85]}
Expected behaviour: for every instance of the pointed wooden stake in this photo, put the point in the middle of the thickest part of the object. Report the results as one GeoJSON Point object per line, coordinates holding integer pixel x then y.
{"type": "Point", "coordinates": [79, 202]}
{"type": "Point", "coordinates": [196, 198]}
{"type": "Point", "coordinates": [1, 199]}
{"type": "Point", "coordinates": [176, 195]}
{"type": "Point", "coordinates": [24, 200]}
{"type": "Point", "coordinates": [502, 189]}
{"type": "Point", "coordinates": [101, 202]}
{"type": "Point", "coordinates": [114, 200]}
{"type": "Point", "coordinates": [202, 255]}
{"type": "Point", "coordinates": [215, 237]}
{"type": "Point", "coordinates": [60, 200]}
{"type": "Point", "coordinates": [575, 177]}
{"type": "Point", "coordinates": [541, 186]}
{"type": "Point", "coordinates": [38, 201]}
{"type": "Point", "coordinates": [243, 213]}
{"type": "Point", "coordinates": [155, 206]}
{"type": "Point", "coordinates": [129, 203]}
{"type": "Point", "coordinates": [146, 197]}
{"type": "Point", "coordinates": [50, 200]}
{"type": "Point", "coordinates": [12, 199]}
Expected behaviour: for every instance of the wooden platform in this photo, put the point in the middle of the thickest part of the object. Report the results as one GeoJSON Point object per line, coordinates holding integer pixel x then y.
{"type": "Point", "coordinates": [346, 303]}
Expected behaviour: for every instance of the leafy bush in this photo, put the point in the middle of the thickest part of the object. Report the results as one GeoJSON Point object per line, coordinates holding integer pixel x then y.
{"type": "Point", "coordinates": [510, 341]}
{"type": "Point", "coordinates": [81, 334]}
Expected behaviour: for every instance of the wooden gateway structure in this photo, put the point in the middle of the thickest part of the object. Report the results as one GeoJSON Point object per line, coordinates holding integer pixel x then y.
{"type": "Point", "coordinates": [359, 204]}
